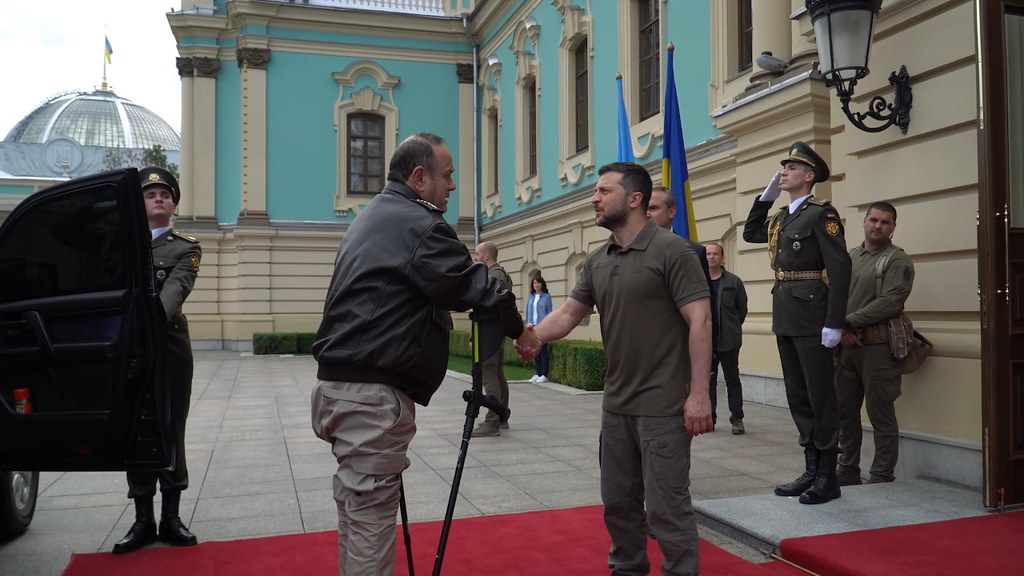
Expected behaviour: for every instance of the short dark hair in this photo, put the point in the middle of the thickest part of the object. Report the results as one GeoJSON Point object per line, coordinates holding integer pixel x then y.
{"type": "Point", "coordinates": [883, 207]}
{"type": "Point", "coordinates": [543, 283]}
{"type": "Point", "coordinates": [670, 198]}
{"type": "Point", "coordinates": [635, 178]}
{"type": "Point", "coordinates": [416, 150]}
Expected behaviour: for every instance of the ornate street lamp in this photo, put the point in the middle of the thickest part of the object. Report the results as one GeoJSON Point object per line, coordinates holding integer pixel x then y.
{"type": "Point", "coordinates": [843, 30]}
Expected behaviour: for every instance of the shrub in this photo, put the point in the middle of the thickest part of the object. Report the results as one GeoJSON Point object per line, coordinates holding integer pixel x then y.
{"type": "Point", "coordinates": [576, 363]}
{"type": "Point", "coordinates": [274, 343]}
{"type": "Point", "coordinates": [304, 342]}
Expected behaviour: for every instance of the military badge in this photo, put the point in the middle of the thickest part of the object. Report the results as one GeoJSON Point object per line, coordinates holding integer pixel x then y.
{"type": "Point", "coordinates": [161, 274]}
{"type": "Point", "coordinates": [832, 227]}
{"type": "Point", "coordinates": [195, 261]}
{"type": "Point", "coordinates": [797, 246]}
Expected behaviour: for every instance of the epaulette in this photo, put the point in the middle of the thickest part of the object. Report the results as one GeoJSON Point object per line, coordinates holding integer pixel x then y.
{"type": "Point", "coordinates": [183, 237]}
{"type": "Point", "coordinates": [818, 201]}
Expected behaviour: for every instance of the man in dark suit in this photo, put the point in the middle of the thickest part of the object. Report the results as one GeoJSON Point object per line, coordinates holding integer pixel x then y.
{"type": "Point", "coordinates": [176, 264]}
{"type": "Point", "coordinates": [661, 210]}
{"type": "Point", "coordinates": [807, 251]}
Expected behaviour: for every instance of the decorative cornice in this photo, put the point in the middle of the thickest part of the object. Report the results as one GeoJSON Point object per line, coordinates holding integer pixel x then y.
{"type": "Point", "coordinates": [253, 58]}
{"type": "Point", "coordinates": [206, 67]}
{"type": "Point", "coordinates": [185, 66]}
{"type": "Point", "coordinates": [465, 73]}
{"type": "Point", "coordinates": [376, 71]}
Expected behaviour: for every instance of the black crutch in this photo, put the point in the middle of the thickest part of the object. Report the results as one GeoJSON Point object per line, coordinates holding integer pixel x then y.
{"type": "Point", "coordinates": [487, 338]}
{"type": "Point", "coordinates": [405, 523]}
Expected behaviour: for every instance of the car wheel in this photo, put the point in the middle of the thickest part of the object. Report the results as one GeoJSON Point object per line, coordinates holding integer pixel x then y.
{"type": "Point", "coordinates": [18, 492]}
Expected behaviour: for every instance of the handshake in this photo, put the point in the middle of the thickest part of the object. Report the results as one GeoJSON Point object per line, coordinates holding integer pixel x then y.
{"type": "Point", "coordinates": [527, 344]}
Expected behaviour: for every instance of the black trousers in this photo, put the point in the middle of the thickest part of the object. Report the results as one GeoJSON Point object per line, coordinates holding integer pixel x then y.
{"type": "Point", "coordinates": [178, 366]}
{"type": "Point", "coordinates": [809, 373]}
{"type": "Point", "coordinates": [730, 361]}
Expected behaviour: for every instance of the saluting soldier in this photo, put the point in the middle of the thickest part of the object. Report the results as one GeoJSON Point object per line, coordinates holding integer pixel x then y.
{"type": "Point", "coordinates": [176, 264]}
{"type": "Point", "coordinates": [807, 251]}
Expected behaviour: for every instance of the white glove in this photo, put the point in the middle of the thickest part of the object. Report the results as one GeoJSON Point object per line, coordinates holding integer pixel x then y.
{"type": "Point", "coordinates": [831, 336]}
{"type": "Point", "coordinates": [772, 191]}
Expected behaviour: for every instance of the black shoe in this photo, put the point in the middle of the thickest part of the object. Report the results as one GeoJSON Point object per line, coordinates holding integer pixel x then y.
{"type": "Point", "coordinates": [172, 529]}
{"type": "Point", "coordinates": [826, 483]}
{"type": "Point", "coordinates": [143, 531]}
{"type": "Point", "coordinates": [173, 532]}
{"type": "Point", "coordinates": [138, 536]}
{"type": "Point", "coordinates": [806, 480]}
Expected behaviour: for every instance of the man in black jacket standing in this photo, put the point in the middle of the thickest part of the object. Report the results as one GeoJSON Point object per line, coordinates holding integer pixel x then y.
{"type": "Point", "coordinates": [382, 346]}
{"type": "Point", "coordinates": [807, 252]}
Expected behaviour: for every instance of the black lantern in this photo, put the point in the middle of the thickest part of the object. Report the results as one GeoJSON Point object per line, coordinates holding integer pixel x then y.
{"type": "Point", "coordinates": [843, 30]}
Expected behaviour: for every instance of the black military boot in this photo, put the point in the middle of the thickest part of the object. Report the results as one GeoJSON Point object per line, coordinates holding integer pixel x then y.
{"type": "Point", "coordinates": [143, 531]}
{"type": "Point", "coordinates": [826, 484]}
{"type": "Point", "coordinates": [172, 529]}
{"type": "Point", "coordinates": [801, 484]}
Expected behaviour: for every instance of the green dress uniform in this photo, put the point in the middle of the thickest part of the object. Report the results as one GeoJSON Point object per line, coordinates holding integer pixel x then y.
{"type": "Point", "coordinates": [176, 264]}
{"type": "Point", "coordinates": [809, 241]}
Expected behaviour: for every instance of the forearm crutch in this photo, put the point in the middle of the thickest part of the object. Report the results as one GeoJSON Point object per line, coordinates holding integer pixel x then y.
{"type": "Point", "coordinates": [487, 339]}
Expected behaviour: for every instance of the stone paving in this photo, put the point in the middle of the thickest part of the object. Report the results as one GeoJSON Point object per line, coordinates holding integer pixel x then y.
{"type": "Point", "coordinates": [256, 469]}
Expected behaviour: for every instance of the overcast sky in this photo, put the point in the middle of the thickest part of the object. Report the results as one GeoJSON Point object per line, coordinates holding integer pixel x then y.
{"type": "Point", "coordinates": [51, 46]}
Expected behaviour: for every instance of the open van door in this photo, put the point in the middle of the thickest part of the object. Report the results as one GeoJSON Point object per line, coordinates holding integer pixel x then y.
{"type": "Point", "coordinates": [82, 332]}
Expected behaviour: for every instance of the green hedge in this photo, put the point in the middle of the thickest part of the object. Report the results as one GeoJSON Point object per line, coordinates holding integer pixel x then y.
{"type": "Point", "coordinates": [283, 342]}
{"type": "Point", "coordinates": [576, 363]}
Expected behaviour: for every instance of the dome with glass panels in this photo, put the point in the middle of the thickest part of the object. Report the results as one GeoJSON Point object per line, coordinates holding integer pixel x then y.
{"type": "Point", "coordinates": [99, 118]}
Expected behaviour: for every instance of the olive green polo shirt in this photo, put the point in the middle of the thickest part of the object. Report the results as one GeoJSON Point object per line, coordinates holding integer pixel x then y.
{"type": "Point", "coordinates": [638, 290]}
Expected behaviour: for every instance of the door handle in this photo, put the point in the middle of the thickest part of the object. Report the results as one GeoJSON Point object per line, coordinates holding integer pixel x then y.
{"type": "Point", "coordinates": [35, 322]}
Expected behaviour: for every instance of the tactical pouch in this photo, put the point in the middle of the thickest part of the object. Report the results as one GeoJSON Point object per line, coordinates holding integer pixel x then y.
{"type": "Point", "coordinates": [900, 330]}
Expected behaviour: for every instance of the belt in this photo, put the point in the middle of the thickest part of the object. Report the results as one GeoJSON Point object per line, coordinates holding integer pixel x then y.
{"type": "Point", "coordinates": [874, 334]}
{"type": "Point", "coordinates": [787, 275]}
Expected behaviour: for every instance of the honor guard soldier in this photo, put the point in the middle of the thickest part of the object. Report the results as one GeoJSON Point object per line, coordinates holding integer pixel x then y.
{"type": "Point", "coordinates": [176, 264]}
{"type": "Point", "coordinates": [807, 251]}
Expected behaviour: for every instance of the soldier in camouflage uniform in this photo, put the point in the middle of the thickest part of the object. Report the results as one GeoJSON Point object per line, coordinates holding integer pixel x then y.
{"type": "Point", "coordinates": [176, 264]}
{"type": "Point", "coordinates": [807, 251]}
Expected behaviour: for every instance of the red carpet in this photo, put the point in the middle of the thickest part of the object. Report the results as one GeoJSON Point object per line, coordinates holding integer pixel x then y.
{"type": "Point", "coordinates": [549, 543]}
{"type": "Point", "coordinates": [991, 545]}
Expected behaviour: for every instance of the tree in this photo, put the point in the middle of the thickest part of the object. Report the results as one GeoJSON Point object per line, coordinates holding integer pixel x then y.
{"type": "Point", "coordinates": [125, 158]}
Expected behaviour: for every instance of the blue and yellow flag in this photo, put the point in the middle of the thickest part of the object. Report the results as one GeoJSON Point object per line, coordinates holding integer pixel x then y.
{"type": "Point", "coordinates": [674, 174]}
{"type": "Point", "coordinates": [107, 50]}
{"type": "Point", "coordinates": [625, 141]}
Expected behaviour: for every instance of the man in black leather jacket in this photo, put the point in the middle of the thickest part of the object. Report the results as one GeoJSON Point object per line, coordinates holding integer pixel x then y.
{"type": "Point", "coordinates": [382, 346]}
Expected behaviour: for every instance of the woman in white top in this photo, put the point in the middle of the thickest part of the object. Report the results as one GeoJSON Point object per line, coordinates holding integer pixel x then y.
{"type": "Point", "coordinates": [538, 305]}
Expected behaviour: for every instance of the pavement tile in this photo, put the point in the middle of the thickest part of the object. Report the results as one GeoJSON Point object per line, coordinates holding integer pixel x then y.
{"type": "Point", "coordinates": [256, 469]}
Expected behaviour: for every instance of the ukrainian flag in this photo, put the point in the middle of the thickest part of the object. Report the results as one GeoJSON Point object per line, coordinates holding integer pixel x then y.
{"type": "Point", "coordinates": [625, 141]}
{"type": "Point", "coordinates": [674, 174]}
{"type": "Point", "coordinates": [107, 50]}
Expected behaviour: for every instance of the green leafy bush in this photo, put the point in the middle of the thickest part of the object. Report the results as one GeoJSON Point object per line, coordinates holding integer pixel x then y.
{"type": "Point", "coordinates": [274, 343]}
{"type": "Point", "coordinates": [304, 342]}
{"type": "Point", "coordinates": [576, 363]}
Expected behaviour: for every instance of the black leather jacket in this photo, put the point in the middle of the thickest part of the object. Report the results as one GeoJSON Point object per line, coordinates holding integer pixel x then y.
{"type": "Point", "coordinates": [400, 270]}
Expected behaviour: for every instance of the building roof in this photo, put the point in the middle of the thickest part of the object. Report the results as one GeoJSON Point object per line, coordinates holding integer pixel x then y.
{"type": "Point", "coordinates": [99, 118]}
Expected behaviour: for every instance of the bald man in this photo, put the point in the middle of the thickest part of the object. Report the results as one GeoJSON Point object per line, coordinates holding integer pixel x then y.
{"type": "Point", "coordinates": [493, 369]}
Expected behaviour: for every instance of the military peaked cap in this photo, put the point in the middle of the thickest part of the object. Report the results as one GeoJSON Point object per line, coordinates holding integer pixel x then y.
{"type": "Point", "coordinates": [802, 153]}
{"type": "Point", "coordinates": [152, 175]}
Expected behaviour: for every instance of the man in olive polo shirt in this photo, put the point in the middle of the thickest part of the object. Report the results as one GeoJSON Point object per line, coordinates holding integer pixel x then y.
{"type": "Point", "coordinates": [656, 325]}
